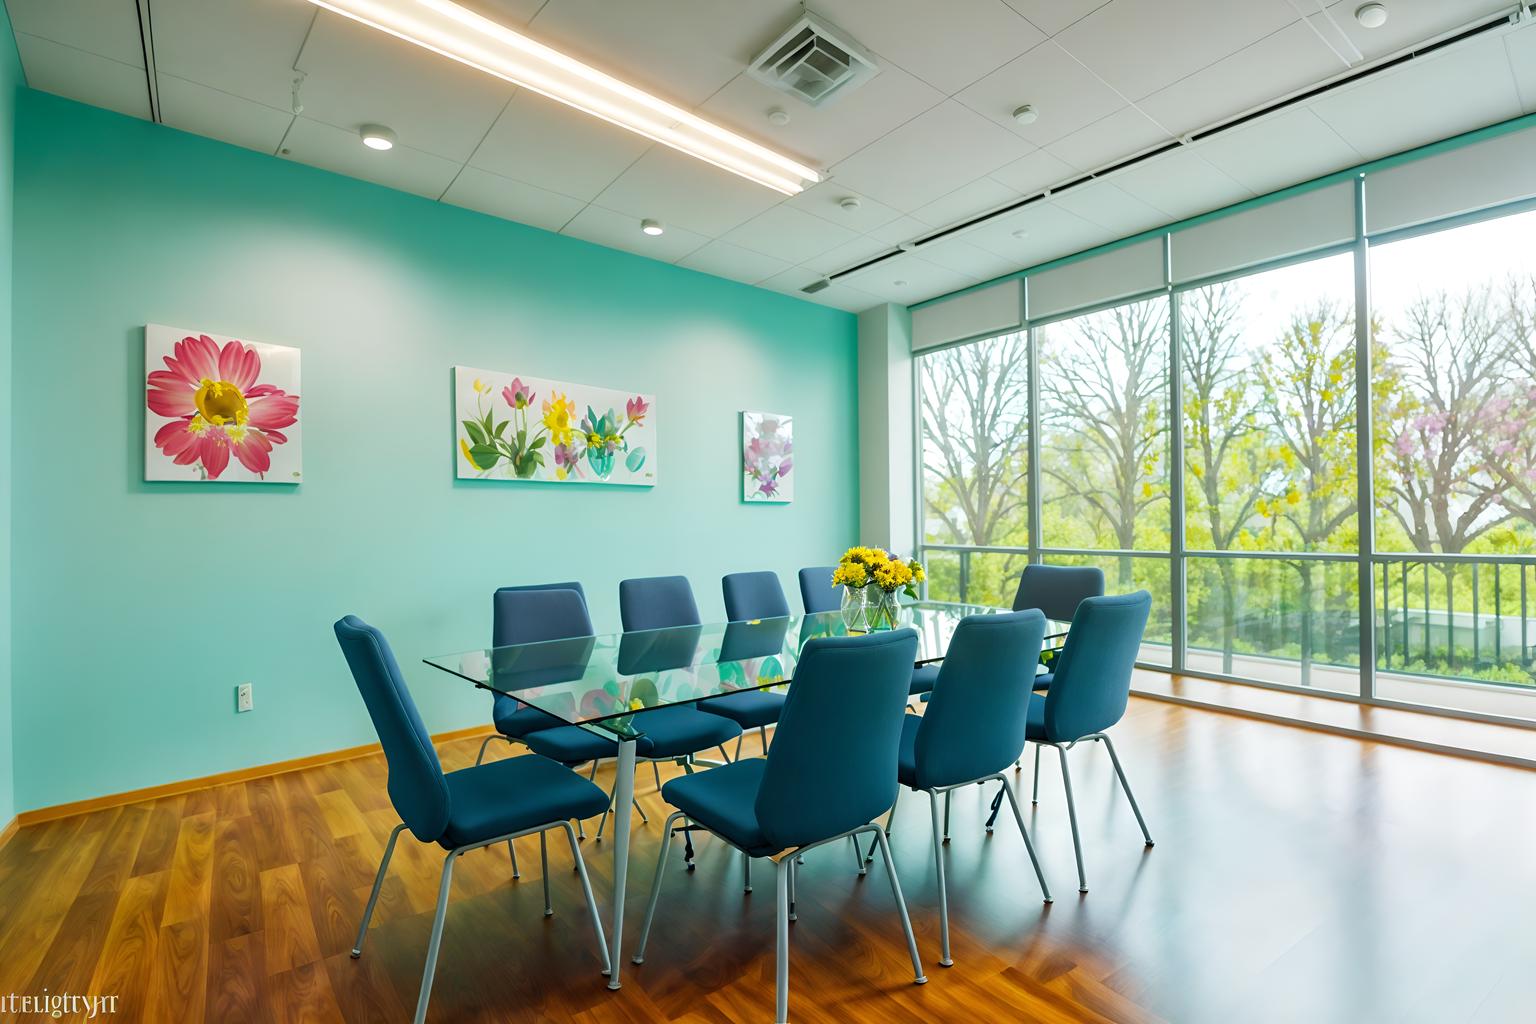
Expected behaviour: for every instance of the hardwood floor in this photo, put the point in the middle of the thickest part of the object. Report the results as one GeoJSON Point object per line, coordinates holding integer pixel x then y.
{"type": "Point", "coordinates": [1297, 876]}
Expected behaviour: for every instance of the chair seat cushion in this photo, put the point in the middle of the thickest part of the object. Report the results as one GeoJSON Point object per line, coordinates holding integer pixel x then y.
{"type": "Point", "coordinates": [906, 755]}
{"type": "Point", "coordinates": [724, 801]}
{"type": "Point", "coordinates": [676, 731]}
{"type": "Point", "coordinates": [514, 720]}
{"type": "Point", "coordinates": [571, 744]}
{"type": "Point", "coordinates": [1035, 727]}
{"type": "Point", "coordinates": [923, 679]}
{"type": "Point", "coordinates": [501, 797]}
{"type": "Point", "coordinates": [748, 709]}
{"type": "Point", "coordinates": [1043, 680]}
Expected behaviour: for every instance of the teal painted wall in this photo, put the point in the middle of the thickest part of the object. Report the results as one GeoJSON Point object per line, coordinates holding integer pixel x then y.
{"type": "Point", "coordinates": [10, 85]}
{"type": "Point", "coordinates": [140, 607]}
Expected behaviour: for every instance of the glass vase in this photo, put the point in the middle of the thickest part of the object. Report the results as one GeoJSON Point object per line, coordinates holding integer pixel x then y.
{"type": "Point", "coordinates": [884, 609]}
{"type": "Point", "coordinates": [855, 610]}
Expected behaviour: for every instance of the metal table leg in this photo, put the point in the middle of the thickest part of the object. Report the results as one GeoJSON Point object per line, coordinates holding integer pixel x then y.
{"type": "Point", "coordinates": [624, 793]}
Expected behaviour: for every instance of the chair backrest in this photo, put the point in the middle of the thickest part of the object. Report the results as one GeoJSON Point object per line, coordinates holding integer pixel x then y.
{"type": "Point", "coordinates": [1057, 590]}
{"type": "Point", "coordinates": [817, 593]}
{"type": "Point", "coordinates": [753, 595]}
{"type": "Point", "coordinates": [832, 766]}
{"type": "Point", "coordinates": [416, 784]}
{"type": "Point", "coordinates": [508, 628]}
{"type": "Point", "coordinates": [977, 716]}
{"type": "Point", "coordinates": [1092, 681]}
{"type": "Point", "coordinates": [657, 602]}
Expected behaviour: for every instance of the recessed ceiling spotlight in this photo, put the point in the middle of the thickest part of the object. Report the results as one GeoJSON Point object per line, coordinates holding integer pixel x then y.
{"type": "Point", "coordinates": [1371, 15]}
{"type": "Point", "coordinates": [376, 136]}
{"type": "Point", "coordinates": [651, 227]}
{"type": "Point", "coordinates": [1027, 114]}
{"type": "Point", "coordinates": [778, 117]}
{"type": "Point", "coordinates": [849, 203]}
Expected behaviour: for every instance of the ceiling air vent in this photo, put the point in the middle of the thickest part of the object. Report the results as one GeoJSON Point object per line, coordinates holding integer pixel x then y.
{"type": "Point", "coordinates": [814, 61]}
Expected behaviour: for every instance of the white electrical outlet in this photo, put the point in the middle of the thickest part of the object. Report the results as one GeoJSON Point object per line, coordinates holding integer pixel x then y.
{"type": "Point", "coordinates": [243, 697]}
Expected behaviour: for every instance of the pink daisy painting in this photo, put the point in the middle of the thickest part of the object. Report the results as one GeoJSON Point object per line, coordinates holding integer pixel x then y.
{"type": "Point", "coordinates": [220, 409]}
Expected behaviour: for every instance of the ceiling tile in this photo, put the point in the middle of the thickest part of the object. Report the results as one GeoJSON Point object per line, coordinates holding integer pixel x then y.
{"type": "Point", "coordinates": [790, 235]}
{"type": "Point", "coordinates": [1180, 184]}
{"type": "Point", "coordinates": [621, 231]}
{"type": "Point", "coordinates": [107, 30]}
{"type": "Point", "coordinates": [1424, 100]}
{"type": "Point", "coordinates": [966, 202]}
{"type": "Point", "coordinates": [681, 50]}
{"type": "Point", "coordinates": [930, 156]}
{"type": "Point", "coordinates": [333, 149]}
{"type": "Point", "coordinates": [836, 295]}
{"type": "Point", "coordinates": [1102, 203]}
{"type": "Point", "coordinates": [677, 189]}
{"type": "Point", "coordinates": [823, 135]}
{"type": "Point", "coordinates": [1121, 134]}
{"type": "Point", "coordinates": [1034, 173]}
{"type": "Point", "coordinates": [218, 115]}
{"type": "Point", "coordinates": [1140, 46]}
{"type": "Point", "coordinates": [1277, 151]}
{"type": "Point", "coordinates": [1276, 65]}
{"type": "Point", "coordinates": [557, 147]}
{"type": "Point", "coordinates": [948, 45]}
{"type": "Point", "coordinates": [962, 257]}
{"type": "Point", "coordinates": [356, 75]}
{"type": "Point", "coordinates": [1051, 16]}
{"type": "Point", "coordinates": [1409, 22]}
{"type": "Point", "coordinates": [1065, 95]}
{"type": "Point", "coordinates": [1045, 231]}
{"type": "Point", "coordinates": [514, 200]}
{"type": "Point", "coordinates": [823, 200]}
{"type": "Point", "coordinates": [188, 34]}
{"type": "Point", "coordinates": [849, 254]}
{"type": "Point", "coordinates": [1522, 58]}
{"type": "Point", "coordinates": [99, 81]}
{"type": "Point", "coordinates": [908, 278]}
{"type": "Point", "coordinates": [726, 260]}
{"type": "Point", "coordinates": [902, 229]}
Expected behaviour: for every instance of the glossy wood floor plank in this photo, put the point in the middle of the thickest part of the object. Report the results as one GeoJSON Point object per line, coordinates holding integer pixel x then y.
{"type": "Point", "coordinates": [1297, 876]}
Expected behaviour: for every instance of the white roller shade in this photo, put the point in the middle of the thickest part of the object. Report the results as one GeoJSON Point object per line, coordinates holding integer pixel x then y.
{"type": "Point", "coordinates": [1460, 180]}
{"type": "Point", "coordinates": [985, 311]}
{"type": "Point", "coordinates": [1287, 227]}
{"type": "Point", "coordinates": [1116, 274]}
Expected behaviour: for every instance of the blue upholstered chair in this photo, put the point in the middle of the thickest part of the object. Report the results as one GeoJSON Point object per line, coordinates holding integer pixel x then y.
{"type": "Point", "coordinates": [750, 596]}
{"type": "Point", "coordinates": [827, 777]}
{"type": "Point", "coordinates": [462, 810]}
{"type": "Point", "coordinates": [974, 726]}
{"type": "Point", "coordinates": [817, 594]}
{"type": "Point", "coordinates": [1056, 590]}
{"type": "Point", "coordinates": [515, 622]}
{"type": "Point", "coordinates": [1090, 692]}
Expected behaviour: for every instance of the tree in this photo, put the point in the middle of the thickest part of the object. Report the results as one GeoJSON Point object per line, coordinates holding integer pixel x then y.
{"type": "Point", "coordinates": [1104, 397]}
{"type": "Point", "coordinates": [1510, 437]}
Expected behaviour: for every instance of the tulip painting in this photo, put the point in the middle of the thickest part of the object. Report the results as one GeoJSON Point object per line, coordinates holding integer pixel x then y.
{"type": "Point", "coordinates": [516, 427]}
{"type": "Point", "coordinates": [767, 457]}
{"type": "Point", "coordinates": [220, 409]}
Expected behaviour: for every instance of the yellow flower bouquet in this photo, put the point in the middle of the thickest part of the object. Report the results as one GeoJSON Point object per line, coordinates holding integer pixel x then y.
{"type": "Point", "coordinates": [862, 568]}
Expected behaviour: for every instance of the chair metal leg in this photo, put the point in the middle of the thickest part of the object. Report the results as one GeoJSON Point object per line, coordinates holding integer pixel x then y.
{"type": "Point", "coordinates": [1127, 787]}
{"type": "Point", "coordinates": [623, 792]}
{"type": "Point", "coordinates": [549, 909]}
{"type": "Point", "coordinates": [794, 863]}
{"type": "Point", "coordinates": [512, 850]}
{"type": "Point", "coordinates": [1077, 843]}
{"type": "Point", "coordinates": [938, 863]}
{"type": "Point", "coordinates": [858, 855]}
{"type": "Point", "coordinates": [738, 746]}
{"type": "Point", "coordinates": [781, 941]}
{"type": "Point", "coordinates": [592, 775]}
{"type": "Point", "coordinates": [656, 771]}
{"type": "Point", "coordinates": [918, 978]}
{"type": "Point", "coordinates": [762, 734]}
{"type": "Point", "coordinates": [1029, 846]}
{"type": "Point", "coordinates": [889, 818]}
{"type": "Point", "coordinates": [644, 818]}
{"type": "Point", "coordinates": [437, 938]}
{"type": "Point", "coordinates": [586, 890]}
{"type": "Point", "coordinates": [487, 742]}
{"type": "Point", "coordinates": [746, 873]}
{"type": "Point", "coordinates": [1034, 796]}
{"type": "Point", "coordinates": [378, 883]}
{"type": "Point", "coordinates": [721, 747]}
{"type": "Point", "coordinates": [650, 906]}
{"type": "Point", "coordinates": [948, 797]}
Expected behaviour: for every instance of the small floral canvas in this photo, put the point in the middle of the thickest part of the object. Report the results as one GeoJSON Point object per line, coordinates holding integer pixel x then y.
{"type": "Point", "coordinates": [220, 409]}
{"type": "Point", "coordinates": [512, 427]}
{"type": "Point", "coordinates": [767, 457]}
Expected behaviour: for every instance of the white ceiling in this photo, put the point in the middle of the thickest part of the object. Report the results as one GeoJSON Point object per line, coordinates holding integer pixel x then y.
{"type": "Point", "coordinates": [927, 143]}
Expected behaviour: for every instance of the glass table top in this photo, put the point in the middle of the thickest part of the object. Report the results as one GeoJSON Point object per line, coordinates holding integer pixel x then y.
{"type": "Point", "coordinates": [602, 682]}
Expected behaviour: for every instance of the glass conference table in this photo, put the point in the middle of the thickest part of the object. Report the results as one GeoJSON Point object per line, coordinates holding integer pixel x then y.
{"type": "Point", "coordinates": [600, 682]}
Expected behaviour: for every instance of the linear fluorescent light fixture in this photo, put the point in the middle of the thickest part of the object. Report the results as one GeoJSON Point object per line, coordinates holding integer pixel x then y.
{"type": "Point", "coordinates": [462, 35]}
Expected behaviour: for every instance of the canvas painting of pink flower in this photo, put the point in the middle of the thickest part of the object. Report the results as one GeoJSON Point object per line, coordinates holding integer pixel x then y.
{"type": "Point", "coordinates": [220, 409]}
{"type": "Point", "coordinates": [767, 457]}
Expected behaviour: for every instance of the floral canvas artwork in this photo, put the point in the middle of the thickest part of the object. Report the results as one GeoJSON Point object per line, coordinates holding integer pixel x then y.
{"type": "Point", "coordinates": [767, 457]}
{"type": "Point", "coordinates": [511, 427]}
{"type": "Point", "coordinates": [220, 409]}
